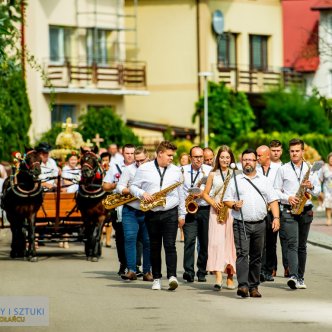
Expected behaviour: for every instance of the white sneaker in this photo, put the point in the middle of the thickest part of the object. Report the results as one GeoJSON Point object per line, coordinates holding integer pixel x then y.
{"type": "Point", "coordinates": [156, 284]}
{"type": "Point", "coordinates": [301, 284]}
{"type": "Point", "coordinates": [292, 282]}
{"type": "Point", "coordinates": [173, 283]}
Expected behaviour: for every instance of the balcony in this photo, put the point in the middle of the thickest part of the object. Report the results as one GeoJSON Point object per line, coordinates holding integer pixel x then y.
{"type": "Point", "coordinates": [116, 76]}
{"type": "Point", "coordinates": [255, 81]}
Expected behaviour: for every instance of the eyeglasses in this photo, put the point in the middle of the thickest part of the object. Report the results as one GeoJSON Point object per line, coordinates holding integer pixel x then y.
{"type": "Point", "coordinates": [197, 157]}
{"type": "Point", "coordinates": [140, 161]}
{"type": "Point", "coordinates": [248, 160]}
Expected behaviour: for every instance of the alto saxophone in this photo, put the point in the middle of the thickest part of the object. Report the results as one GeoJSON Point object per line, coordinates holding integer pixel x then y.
{"type": "Point", "coordinates": [223, 212]}
{"type": "Point", "coordinates": [114, 200]}
{"type": "Point", "coordinates": [191, 204]}
{"type": "Point", "coordinates": [159, 198]}
{"type": "Point", "coordinates": [302, 193]}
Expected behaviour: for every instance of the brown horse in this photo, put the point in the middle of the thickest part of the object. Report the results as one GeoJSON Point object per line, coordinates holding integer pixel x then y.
{"type": "Point", "coordinates": [89, 201]}
{"type": "Point", "coordinates": [22, 198]}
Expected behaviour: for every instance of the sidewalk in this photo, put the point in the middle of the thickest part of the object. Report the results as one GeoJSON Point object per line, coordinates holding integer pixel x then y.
{"type": "Point", "coordinates": [320, 234]}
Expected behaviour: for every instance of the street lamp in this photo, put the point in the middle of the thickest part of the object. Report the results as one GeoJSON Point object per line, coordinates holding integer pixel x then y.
{"type": "Point", "coordinates": [205, 75]}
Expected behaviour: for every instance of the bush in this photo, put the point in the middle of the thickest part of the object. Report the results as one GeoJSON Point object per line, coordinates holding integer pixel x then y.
{"type": "Point", "coordinates": [322, 143]}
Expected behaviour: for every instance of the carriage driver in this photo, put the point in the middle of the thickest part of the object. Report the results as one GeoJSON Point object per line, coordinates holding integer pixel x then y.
{"type": "Point", "coordinates": [49, 168]}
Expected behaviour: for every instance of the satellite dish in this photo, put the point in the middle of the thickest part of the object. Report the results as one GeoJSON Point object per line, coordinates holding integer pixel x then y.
{"type": "Point", "coordinates": [218, 22]}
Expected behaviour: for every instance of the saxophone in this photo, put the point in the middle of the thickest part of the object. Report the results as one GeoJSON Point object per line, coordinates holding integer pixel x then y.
{"type": "Point", "coordinates": [223, 212]}
{"type": "Point", "coordinates": [159, 198]}
{"type": "Point", "coordinates": [302, 193]}
{"type": "Point", "coordinates": [114, 200]}
{"type": "Point", "coordinates": [191, 204]}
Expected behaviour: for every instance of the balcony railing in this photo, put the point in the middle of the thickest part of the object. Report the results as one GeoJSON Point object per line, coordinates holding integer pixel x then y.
{"type": "Point", "coordinates": [255, 81]}
{"type": "Point", "coordinates": [117, 75]}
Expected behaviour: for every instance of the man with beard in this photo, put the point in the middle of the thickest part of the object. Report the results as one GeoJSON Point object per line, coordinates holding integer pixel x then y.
{"type": "Point", "coordinates": [248, 195]}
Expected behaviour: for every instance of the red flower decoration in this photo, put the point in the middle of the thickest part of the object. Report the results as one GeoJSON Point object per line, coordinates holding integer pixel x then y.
{"type": "Point", "coordinates": [117, 175]}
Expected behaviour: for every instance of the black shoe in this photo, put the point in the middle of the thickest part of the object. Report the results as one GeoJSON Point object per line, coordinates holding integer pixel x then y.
{"type": "Point", "coordinates": [122, 270]}
{"type": "Point", "coordinates": [243, 292]}
{"type": "Point", "coordinates": [201, 278]}
{"type": "Point", "coordinates": [268, 277]}
{"type": "Point", "coordinates": [262, 277]}
{"type": "Point", "coordinates": [188, 277]}
{"type": "Point", "coordinates": [139, 273]}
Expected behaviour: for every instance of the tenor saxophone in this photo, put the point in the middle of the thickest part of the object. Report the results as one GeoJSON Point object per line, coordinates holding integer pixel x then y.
{"type": "Point", "coordinates": [114, 200]}
{"type": "Point", "coordinates": [223, 212]}
{"type": "Point", "coordinates": [159, 198]}
{"type": "Point", "coordinates": [302, 194]}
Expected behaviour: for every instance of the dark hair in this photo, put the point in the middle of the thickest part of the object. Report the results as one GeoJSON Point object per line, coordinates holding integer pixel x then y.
{"type": "Point", "coordinates": [194, 147]}
{"type": "Point", "coordinates": [275, 143]}
{"type": "Point", "coordinates": [73, 153]}
{"type": "Point", "coordinates": [105, 154]}
{"type": "Point", "coordinates": [165, 145]}
{"type": "Point", "coordinates": [128, 146]}
{"type": "Point", "coordinates": [248, 151]}
{"type": "Point", "coordinates": [222, 149]}
{"type": "Point", "coordinates": [296, 141]}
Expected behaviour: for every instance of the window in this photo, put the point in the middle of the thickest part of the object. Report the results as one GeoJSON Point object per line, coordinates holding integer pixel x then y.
{"type": "Point", "coordinates": [60, 113]}
{"type": "Point", "coordinates": [60, 40]}
{"type": "Point", "coordinates": [258, 52]}
{"type": "Point", "coordinates": [98, 45]}
{"type": "Point", "coordinates": [227, 50]}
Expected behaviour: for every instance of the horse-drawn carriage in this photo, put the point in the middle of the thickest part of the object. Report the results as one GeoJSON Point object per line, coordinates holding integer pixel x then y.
{"type": "Point", "coordinates": [54, 216]}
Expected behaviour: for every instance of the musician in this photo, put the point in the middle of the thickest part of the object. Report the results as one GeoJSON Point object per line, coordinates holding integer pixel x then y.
{"type": "Point", "coordinates": [162, 221]}
{"type": "Point", "coordinates": [248, 195]}
{"type": "Point", "coordinates": [269, 258]}
{"type": "Point", "coordinates": [109, 184]}
{"type": "Point", "coordinates": [133, 221]}
{"type": "Point", "coordinates": [289, 180]}
{"type": "Point", "coordinates": [208, 156]}
{"type": "Point", "coordinates": [221, 248]}
{"type": "Point", "coordinates": [197, 224]}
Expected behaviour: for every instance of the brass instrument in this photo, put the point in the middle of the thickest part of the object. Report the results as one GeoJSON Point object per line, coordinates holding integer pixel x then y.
{"type": "Point", "coordinates": [159, 198]}
{"type": "Point", "coordinates": [223, 212]}
{"type": "Point", "coordinates": [191, 204]}
{"type": "Point", "coordinates": [114, 200]}
{"type": "Point", "coordinates": [302, 193]}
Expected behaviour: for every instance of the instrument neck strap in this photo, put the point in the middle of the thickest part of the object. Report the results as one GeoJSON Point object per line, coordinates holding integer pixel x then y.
{"type": "Point", "coordinates": [192, 178]}
{"type": "Point", "coordinates": [267, 173]}
{"type": "Point", "coordinates": [297, 176]}
{"type": "Point", "coordinates": [160, 174]}
{"type": "Point", "coordinates": [222, 174]}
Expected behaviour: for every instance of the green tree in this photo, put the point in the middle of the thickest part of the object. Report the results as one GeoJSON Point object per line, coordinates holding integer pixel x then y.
{"type": "Point", "coordinates": [108, 125]}
{"type": "Point", "coordinates": [15, 111]}
{"type": "Point", "coordinates": [294, 111]}
{"type": "Point", "coordinates": [230, 114]}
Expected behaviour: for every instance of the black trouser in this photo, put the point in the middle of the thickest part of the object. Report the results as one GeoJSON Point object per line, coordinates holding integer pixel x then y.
{"type": "Point", "coordinates": [162, 227]}
{"type": "Point", "coordinates": [269, 257]}
{"type": "Point", "coordinates": [119, 241]}
{"type": "Point", "coordinates": [196, 226]}
{"type": "Point", "coordinates": [297, 230]}
{"type": "Point", "coordinates": [249, 252]}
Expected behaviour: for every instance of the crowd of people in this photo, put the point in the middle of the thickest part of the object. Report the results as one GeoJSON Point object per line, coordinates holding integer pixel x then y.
{"type": "Point", "coordinates": [229, 214]}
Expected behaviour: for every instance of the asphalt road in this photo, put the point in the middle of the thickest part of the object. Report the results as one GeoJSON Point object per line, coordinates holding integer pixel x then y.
{"type": "Point", "coordinates": [86, 296]}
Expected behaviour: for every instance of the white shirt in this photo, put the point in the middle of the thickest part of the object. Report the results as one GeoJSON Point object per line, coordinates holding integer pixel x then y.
{"type": "Point", "coordinates": [49, 170]}
{"type": "Point", "coordinates": [147, 179]}
{"type": "Point", "coordinates": [254, 207]}
{"type": "Point", "coordinates": [287, 183]}
{"type": "Point", "coordinates": [190, 174]}
{"type": "Point", "coordinates": [117, 159]}
{"type": "Point", "coordinates": [126, 180]}
{"type": "Point", "coordinates": [271, 172]}
{"type": "Point", "coordinates": [71, 174]}
{"type": "Point", "coordinates": [113, 174]}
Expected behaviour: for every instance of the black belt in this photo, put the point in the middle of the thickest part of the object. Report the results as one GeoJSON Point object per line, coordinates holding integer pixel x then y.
{"type": "Point", "coordinates": [163, 211]}
{"type": "Point", "coordinates": [251, 222]}
{"type": "Point", "coordinates": [305, 209]}
{"type": "Point", "coordinates": [204, 207]}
